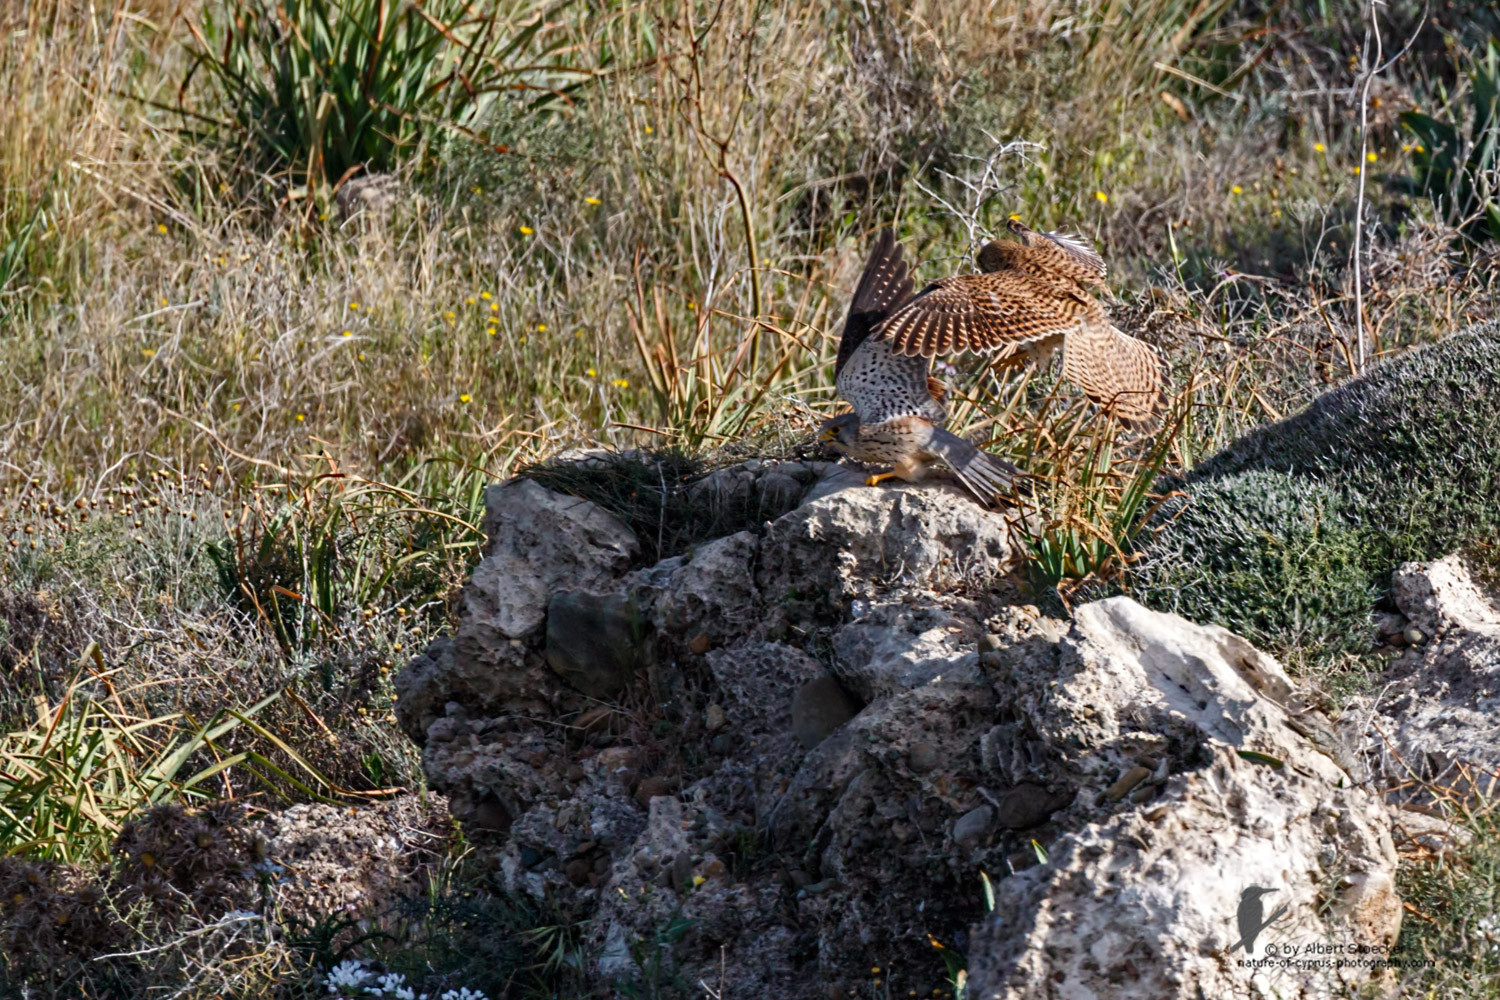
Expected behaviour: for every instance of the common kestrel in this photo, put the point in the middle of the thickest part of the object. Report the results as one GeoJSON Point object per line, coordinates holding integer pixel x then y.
{"type": "Point", "coordinates": [898, 413]}
{"type": "Point", "coordinates": [1032, 297]}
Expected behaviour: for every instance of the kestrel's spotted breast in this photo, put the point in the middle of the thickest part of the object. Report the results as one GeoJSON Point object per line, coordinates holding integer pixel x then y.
{"type": "Point", "coordinates": [898, 414]}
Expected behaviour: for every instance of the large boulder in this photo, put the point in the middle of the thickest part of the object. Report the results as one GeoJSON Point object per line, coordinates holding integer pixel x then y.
{"type": "Point", "coordinates": [538, 543]}
{"type": "Point", "coordinates": [1194, 783]}
{"type": "Point", "coordinates": [840, 718]}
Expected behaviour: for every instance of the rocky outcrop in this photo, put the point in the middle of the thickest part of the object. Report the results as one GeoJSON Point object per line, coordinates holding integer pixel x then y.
{"type": "Point", "coordinates": [834, 725]}
{"type": "Point", "coordinates": [1434, 718]}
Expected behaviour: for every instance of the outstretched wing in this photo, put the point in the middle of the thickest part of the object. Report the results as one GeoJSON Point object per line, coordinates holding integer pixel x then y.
{"type": "Point", "coordinates": [1064, 253]}
{"type": "Point", "coordinates": [1115, 370]}
{"type": "Point", "coordinates": [884, 285]}
{"type": "Point", "coordinates": [982, 313]}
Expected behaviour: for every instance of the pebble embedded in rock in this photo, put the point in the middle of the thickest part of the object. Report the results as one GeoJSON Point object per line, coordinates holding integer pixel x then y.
{"type": "Point", "coordinates": [1415, 636]}
{"type": "Point", "coordinates": [818, 708]}
{"type": "Point", "coordinates": [682, 869]}
{"type": "Point", "coordinates": [650, 788]}
{"type": "Point", "coordinates": [715, 718]}
{"type": "Point", "coordinates": [973, 826]}
{"type": "Point", "coordinates": [594, 641]}
{"type": "Point", "coordinates": [1028, 805]}
{"type": "Point", "coordinates": [577, 871]}
{"type": "Point", "coordinates": [715, 869]}
{"type": "Point", "coordinates": [1126, 782]}
{"type": "Point", "coordinates": [922, 757]}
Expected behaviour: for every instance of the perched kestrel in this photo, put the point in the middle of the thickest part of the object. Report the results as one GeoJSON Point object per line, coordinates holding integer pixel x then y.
{"type": "Point", "coordinates": [1032, 297]}
{"type": "Point", "coordinates": [898, 413]}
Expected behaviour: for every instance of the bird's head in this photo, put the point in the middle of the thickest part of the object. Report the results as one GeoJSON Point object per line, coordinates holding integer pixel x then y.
{"type": "Point", "coordinates": [1255, 892]}
{"type": "Point", "coordinates": [997, 255]}
{"type": "Point", "coordinates": [839, 432]}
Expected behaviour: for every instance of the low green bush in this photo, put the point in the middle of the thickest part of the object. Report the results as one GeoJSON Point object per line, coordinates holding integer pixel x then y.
{"type": "Point", "coordinates": [1289, 535]}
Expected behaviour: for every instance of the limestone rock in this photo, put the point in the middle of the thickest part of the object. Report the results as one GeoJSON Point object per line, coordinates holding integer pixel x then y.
{"type": "Point", "coordinates": [854, 690]}
{"type": "Point", "coordinates": [1144, 904]}
{"type": "Point", "coordinates": [594, 642]}
{"type": "Point", "coordinates": [818, 708]}
{"type": "Point", "coordinates": [541, 542]}
{"type": "Point", "coordinates": [841, 545]}
{"type": "Point", "coordinates": [1435, 718]}
{"type": "Point", "coordinates": [1139, 895]}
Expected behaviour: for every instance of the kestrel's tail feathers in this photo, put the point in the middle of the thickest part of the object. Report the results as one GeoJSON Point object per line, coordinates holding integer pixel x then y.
{"type": "Point", "coordinates": [1115, 370]}
{"type": "Point", "coordinates": [982, 474]}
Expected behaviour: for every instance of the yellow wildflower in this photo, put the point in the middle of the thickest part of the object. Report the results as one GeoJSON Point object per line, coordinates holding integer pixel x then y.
{"type": "Point", "coordinates": [464, 398]}
{"type": "Point", "coordinates": [648, 129]}
{"type": "Point", "coordinates": [301, 417]}
{"type": "Point", "coordinates": [699, 880]}
{"type": "Point", "coordinates": [485, 296]}
{"type": "Point", "coordinates": [621, 383]}
{"type": "Point", "coordinates": [1236, 190]}
{"type": "Point", "coordinates": [591, 373]}
{"type": "Point", "coordinates": [354, 306]}
{"type": "Point", "coordinates": [1318, 147]}
{"type": "Point", "coordinates": [449, 316]}
{"type": "Point", "coordinates": [541, 328]}
{"type": "Point", "coordinates": [592, 201]}
{"type": "Point", "coordinates": [1371, 156]}
{"type": "Point", "coordinates": [527, 230]}
{"type": "Point", "coordinates": [1103, 198]}
{"type": "Point", "coordinates": [161, 228]}
{"type": "Point", "coordinates": [348, 333]}
{"type": "Point", "coordinates": [469, 300]}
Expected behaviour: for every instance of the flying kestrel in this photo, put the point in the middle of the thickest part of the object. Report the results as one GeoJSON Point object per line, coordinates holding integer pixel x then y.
{"type": "Point", "coordinates": [1033, 297]}
{"type": "Point", "coordinates": [898, 413]}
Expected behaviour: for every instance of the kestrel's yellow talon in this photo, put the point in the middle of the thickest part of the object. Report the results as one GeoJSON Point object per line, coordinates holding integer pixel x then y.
{"type": "Point", "coordinates": [876, 480]}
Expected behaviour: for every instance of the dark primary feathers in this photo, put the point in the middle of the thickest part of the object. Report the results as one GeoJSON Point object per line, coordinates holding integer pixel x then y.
{"type": "Point", "coordinates": [884, 285]}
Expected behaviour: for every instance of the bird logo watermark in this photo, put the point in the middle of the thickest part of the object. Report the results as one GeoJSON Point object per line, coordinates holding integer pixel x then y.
{"type": "Point", "coordinates": [1251, 918]}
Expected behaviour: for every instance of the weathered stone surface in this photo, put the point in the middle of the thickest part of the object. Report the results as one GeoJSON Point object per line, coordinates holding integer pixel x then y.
{"type": "Point", "coordinates": [541, 542]}
{"type": "Point", "coordinates": [967, 727]}
{"type": "Point", "coordinates": [1144, 903]}
{"type": "Point", "coordinates": [818, 708]}
{"type": "Point", "coordinates": [710, 591]}
{"type": "Point", "coordinates": [1435, 717]}
{"type": "Point", "coordinates": [1139, 895]}
{"type": "Point", "coordinates": [595, 641]}
{"type": "Point", "coordinates": [851, 542]}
